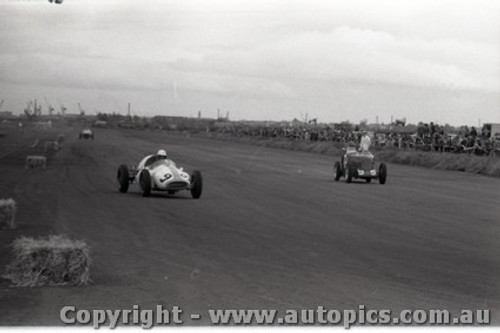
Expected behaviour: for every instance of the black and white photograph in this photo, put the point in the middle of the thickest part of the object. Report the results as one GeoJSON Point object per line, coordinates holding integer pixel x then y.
{"type": "Point", "coordinates": [249, 163]}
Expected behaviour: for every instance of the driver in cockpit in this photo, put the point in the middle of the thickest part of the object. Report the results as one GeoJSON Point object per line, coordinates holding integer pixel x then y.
{"type": "Point", "coordinates": [160, 155]}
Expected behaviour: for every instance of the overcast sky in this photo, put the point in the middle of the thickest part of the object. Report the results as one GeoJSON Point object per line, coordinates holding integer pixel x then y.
{"type": "Point", "coordinates": [426, 60]}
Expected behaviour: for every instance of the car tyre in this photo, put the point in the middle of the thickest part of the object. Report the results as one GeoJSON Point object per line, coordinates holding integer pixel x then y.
{"type": "Point", "coordinates": [350, 173]}
{"type": "Point", "coordinates": [145, 181]}
{"type": "Point", "coordinates": [123, 178]}
{"type": "Point", "coordinates": [196, 184]}
{"type": "Point", "coordinates": [337, 171]}
{"type": "Point", "coordinates": [382, 173]}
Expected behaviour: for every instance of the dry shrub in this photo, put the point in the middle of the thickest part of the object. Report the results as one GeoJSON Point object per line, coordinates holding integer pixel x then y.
{"type": "Point", "coordinates": [8, 210]}
{"type": "Point", "coordinates": [55, 260]}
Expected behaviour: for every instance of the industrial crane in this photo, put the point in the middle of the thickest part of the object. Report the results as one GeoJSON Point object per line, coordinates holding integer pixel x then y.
{"type": "Point", "coordinates": [82, 111]}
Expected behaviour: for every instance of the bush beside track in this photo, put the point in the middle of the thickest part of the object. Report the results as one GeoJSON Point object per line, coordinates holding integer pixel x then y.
{"type": "Point", "coordinates": [483, 165]}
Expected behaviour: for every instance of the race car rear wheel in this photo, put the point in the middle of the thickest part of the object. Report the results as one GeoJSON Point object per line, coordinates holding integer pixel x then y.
{"type": "Point", "coordinates": [382, 173]}
{"type": "Point", "coordinates": [123, 178]}
{"type": "Point", "coordinates": [145, 181]}
{"type": "Point", "coordinates": [196, 184]}
{"type": "Point", "coordinates": [337, 171]}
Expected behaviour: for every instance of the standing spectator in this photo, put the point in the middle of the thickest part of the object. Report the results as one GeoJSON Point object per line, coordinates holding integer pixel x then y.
{"type": "Point", "coordinates": [486, 132]}
{"type": "Point", "coordinates": [365, 142]}
{"type": "Point", "coordinates": [420, 130]}
{"type": "Point", "coordinates": [426, 130]}
{"type": "Point", "coordinates": [441, 132]}
{"type": "Point", "coordinates": [494, 146]}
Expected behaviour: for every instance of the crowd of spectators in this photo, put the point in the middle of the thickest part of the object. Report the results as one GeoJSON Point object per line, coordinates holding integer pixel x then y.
{"type": "Point", "coordinates": [424, 137]}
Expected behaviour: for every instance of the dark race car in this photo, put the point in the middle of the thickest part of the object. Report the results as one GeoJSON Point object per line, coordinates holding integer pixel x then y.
{"type": "Point", "coordinates": [358, 165]}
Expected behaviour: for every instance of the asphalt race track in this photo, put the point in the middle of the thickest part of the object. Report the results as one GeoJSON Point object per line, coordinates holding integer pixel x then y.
{"type": "Point", "coordinates": [272, 230]}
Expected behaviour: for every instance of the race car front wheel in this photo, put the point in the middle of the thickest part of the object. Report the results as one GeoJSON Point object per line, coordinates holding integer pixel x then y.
{"type": "Point", "coordinates": [337, 171]}
{"type": "Point", "coordinates": [382, 173]}
{"type": "Point", "coordinates": [350, 173]}
{"type": "Point", "coordinates": [196, 184]}
{"type": "Point", "coordinates": [145, 181]}
{"type": "Point", "coordinates": [123, 178]}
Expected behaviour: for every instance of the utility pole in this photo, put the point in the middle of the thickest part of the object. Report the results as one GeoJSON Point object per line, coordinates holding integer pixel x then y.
{"type": "Point", "coordinates": [38, 109]}
{"type": "Point", "coordinates": [82, 111]}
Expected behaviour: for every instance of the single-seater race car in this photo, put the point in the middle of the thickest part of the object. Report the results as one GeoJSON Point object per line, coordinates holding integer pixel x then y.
{"type": "Point", "coordinates": [157, 173]}
{"type": "Point", "coordinates": [354, 164]}
{"type": "Point", "coordinates": [86, 133]}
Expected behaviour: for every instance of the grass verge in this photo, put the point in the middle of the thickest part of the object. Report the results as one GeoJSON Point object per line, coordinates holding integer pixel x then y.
{"type": "Point", "coordinates": [484, 165]}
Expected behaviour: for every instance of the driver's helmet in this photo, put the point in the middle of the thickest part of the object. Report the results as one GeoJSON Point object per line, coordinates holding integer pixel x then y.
{"type": "Point", "coordinates": [162, 154]}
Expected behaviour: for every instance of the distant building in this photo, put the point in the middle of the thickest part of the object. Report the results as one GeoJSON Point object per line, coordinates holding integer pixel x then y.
{"type": "Point", "coordinates": [491, 129]}
{"type": "Point", "coordinates": [180, 123]}
{"type": "Point", "coordinates": [5, 114]}
{"type": "Point", "coordinates": [296, 123]}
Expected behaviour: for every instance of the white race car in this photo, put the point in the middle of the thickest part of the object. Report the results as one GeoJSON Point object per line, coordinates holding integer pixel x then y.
{"type": "Point", "coordinates": [86, 133]}
{"type": "Point", "coordinates": [159, 174]}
